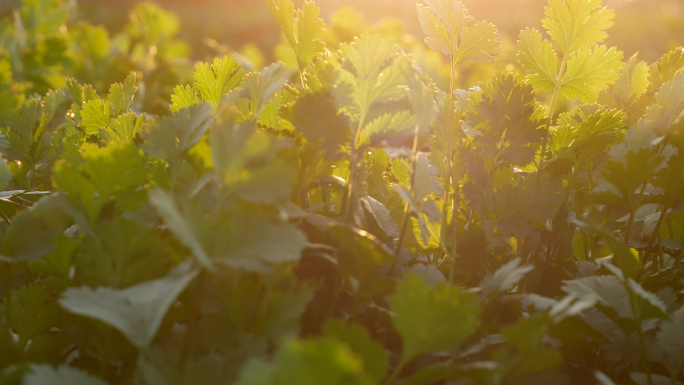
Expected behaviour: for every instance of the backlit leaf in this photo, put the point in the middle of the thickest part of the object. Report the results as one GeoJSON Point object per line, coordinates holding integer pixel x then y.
{"type": "Point", "coordinates": [95, 115]}
{"type": "Point", "coordinates": [576, 24]}
{"type": "Point", "coordinates": [121, 95]}
{"type": "Point", "coordinates": [215, 80]}
{"type": "Point", "coordinates": [538, 59]}
{"type": "Point", "coordinates": [589, 71]}
{"type": "Point", "coordinates": [430, 319]}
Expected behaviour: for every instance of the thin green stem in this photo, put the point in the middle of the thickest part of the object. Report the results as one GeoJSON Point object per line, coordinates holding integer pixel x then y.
{"type": "Point", "coordinates": [628, 232]}
{"type": "Point", "coordinates": [192, 324]}
{"type": "Point", "coordinates": [656, 230]}
{"type": "Point", "coordinates": [545, 141]}
{"type": "Point", "coordinates": [395, 373]}
{"type": "Point", "coordinates": [407, 212]}
{"type": "Point", "coordinates": [8, 303]}
{"type": "Point", "coordinates": [353, 171]}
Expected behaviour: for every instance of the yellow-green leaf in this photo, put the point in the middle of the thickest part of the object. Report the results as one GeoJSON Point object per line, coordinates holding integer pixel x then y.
{"type": "Point", "coordinates": [577, 24]}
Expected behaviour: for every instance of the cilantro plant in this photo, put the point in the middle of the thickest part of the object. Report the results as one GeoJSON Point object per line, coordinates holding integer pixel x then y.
{"type": "Point", "coordinates": [343, 218]}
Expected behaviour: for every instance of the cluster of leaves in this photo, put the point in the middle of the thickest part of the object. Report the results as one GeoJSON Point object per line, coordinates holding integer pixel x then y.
{"type": "Point", "coordinates": [346, 221]}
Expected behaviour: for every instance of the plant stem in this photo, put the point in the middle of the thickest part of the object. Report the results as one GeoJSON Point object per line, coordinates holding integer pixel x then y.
{"type": "Point", "coordinates": [656, 230]}
{"type": "Point", "coordinates": [552, 109]}
{"type": "Point", "coordinates": [8, 304]}
{"type": "Point", "coordinates": [407, 212]}
{"type": "Point", "coordinates": [192, 323]}
{"type": "Point", "coordinates": [549, 122]}
{"type": "Point", "coordinates": [642, 344]}
{"type": "Point", "coordinates": [395, 373]}
{"type": "Point", "coordinates": [353, 170]}
{"type": "Point", "coordinates": [628, 232]}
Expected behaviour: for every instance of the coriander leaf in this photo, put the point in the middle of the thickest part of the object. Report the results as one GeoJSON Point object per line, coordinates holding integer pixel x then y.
{"type": "Point", "coordinates": [95, 115]}
{"type": "Point", "coordinates": [669, 337]}
{"type": "Point", "coordinates": [303, 29]}
{"type": "Point", "coordinates": [316, 116]}
{"type": "Point", "coordinates": [324, 360]}
{"type": "Point", "coordinates": [631, 163]}
{"type": "Point", "coordinates": [430, 319]}
{"type": "Point", "coordinates": [505, 278]}
{"type": "Point", "coordinates": [371, 65]}
{"type": "Point", "coordinates": [258, 90]}
{"type": "Point", "coordinates": [253, 244]}
{"type": "Point", "coordinates": [215, 80]}
{"type": "Point", "coordinates": [478, 42]}
{"type": "Point", "coordinates": [184, 97]}
{"type": "Point", "coordinates": [664, 69]}
{"type": "Point", "coordinates": [538, 58]}
{"type": "Point", "coordinates": [62, 375]}
{"type": "Point", "coordinates": [589, 71]}
{"type": "Point", "coordinates": [387, 124]}
{"type": "Point", "coordinates": [178, 224]}
{"type": "Point", "coordinates": [34, 233]}
{"type": "Point", "coordinates": [123, 129]}
{"type": "Point", "coordinates": [577, 24]}
{"type": "Point", "coordinates": [666, 115]}
{"type": "Point", "coordinates": [372, 352]}
{"type": "Point", "coordinates": [450, 30]}
{"type": "Point", "coordinates": [121, 95]}
{"type": "Point", "coordinates": [379, 215]}
{"type": "Point", "coordinates": [137, 311]}
{"type": "Point", "coordinates": [506, 118]}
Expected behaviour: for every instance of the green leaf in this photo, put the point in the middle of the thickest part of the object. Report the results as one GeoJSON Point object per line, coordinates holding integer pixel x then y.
{"type": "Point", "coordinates": [184, 97]}
{"type": "Point", "coordinates": [478, 42]}
{"type": "Point", "coordinates": [387, 124]}
{"type": "Point", "coordinates": [96, 116]}
{"type": "Point", "coordinates": [669, 337]}
{"type": "Point", "coordinates": [506, 117]}
{"type": "Point", "coordinates": [624, 257]}
{"type": "Point", "coordinates": [577, 24]}
{"type": "Point", "coordinates": [124, 128]}
{"type": "Point", "coordinates": [121, 95]}
{"type": "Point", "coordinates": [254, 244]}
{"type": "Point", "coordinates": [583, 134]}
{"type": "Point", "coordinates": [114, 169]}
{"type": "Point", "coordinates": [666, 115]}
{"type": "Point", "coordinates": [316, 116]}
{"type": "Point", "coordinates": [425, 183]}
{"type": "Point", "coordinates": [589, 71]}
{"type": "Point", "coordinates": [359, 340]}
{"type": "Point", "coordinates": [379, 215]}
{"type": "Point", "coordinates": [34, 233]}
{"type": "Point", "coordinates": [175, 135]}
{"type": "Point", "coordinates": [258, 90]}
{"type": "Point", "coordinates": [631, 163]}
{"type": "Point", "coordinates": [321, 361]}
{"type": "Point", "coordinates": [505, 278]}
{"type": "Point", "coordinates": [268, 184]}
{"type": "Point", "coordinates": [137, 311]}
{"type": "Point", "coordinates": [432, 319]}
{"type": "Point", "coordinates": [303, 30]}
{"type": "Point", "coordinates": [664, 69]}
{"type": "Point", "coordinates": [538, 58]}
{"type": "Point", "coordinates": [215, 80]}
{"type": "Point", "coordinates": [178, 224]}
{"type": "Point", "coordinates": [373, 68]}
{"type": "Point", "coordinates": [61, 375]}
{"type": "Point", "coordinates": [450, 30]}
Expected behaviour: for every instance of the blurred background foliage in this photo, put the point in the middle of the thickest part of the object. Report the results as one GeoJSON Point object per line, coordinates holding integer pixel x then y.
{"type": "Point", "coordinates": [201, 29]}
